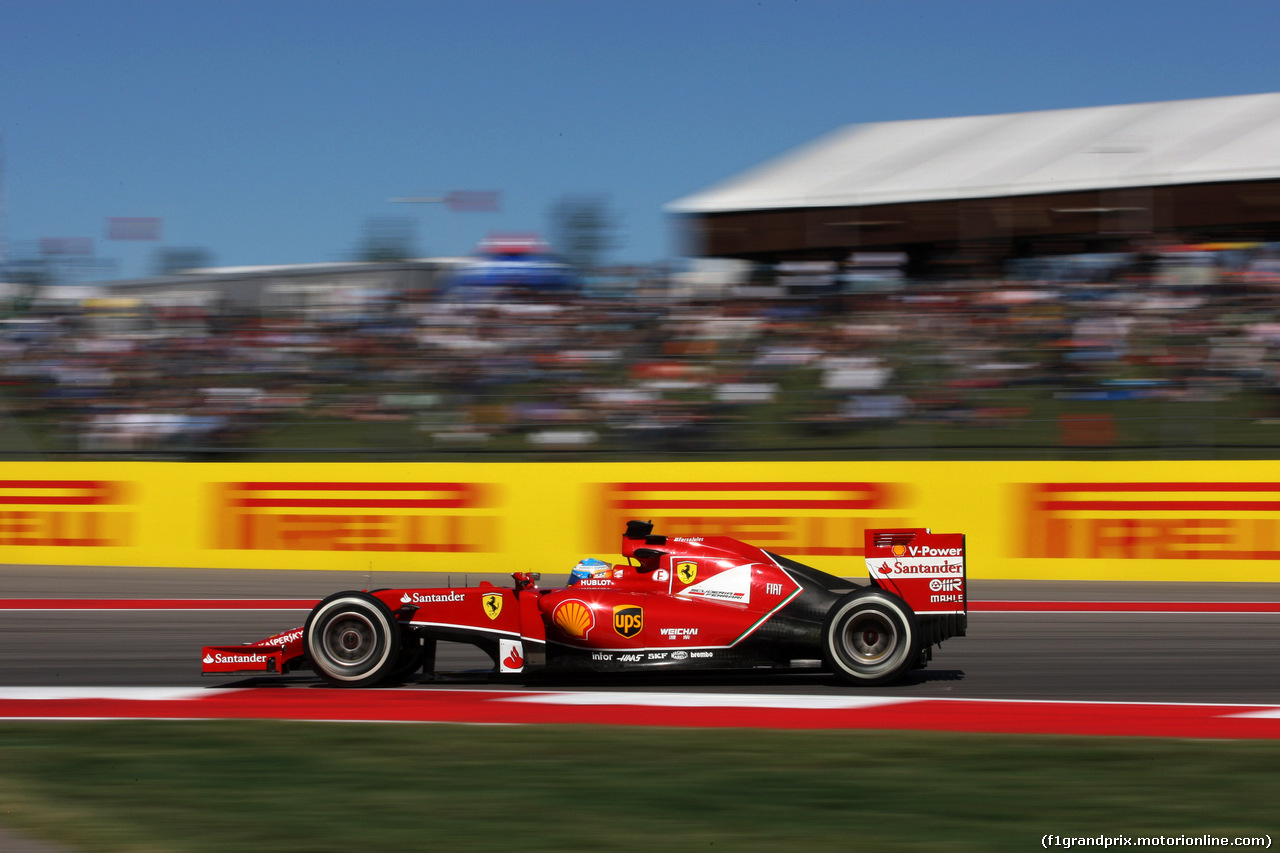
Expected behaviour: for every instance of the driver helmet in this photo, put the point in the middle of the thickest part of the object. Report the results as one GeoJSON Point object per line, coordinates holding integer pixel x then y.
{"type": "Point", "coordinates": [590, 568]}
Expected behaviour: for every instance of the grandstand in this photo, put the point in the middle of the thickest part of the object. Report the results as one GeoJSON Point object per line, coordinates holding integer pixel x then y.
{"type": "Point", "coordinates": [983, 189]}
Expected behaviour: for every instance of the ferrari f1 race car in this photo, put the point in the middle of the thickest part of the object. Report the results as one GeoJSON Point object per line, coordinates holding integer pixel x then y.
{"type": "Point", "coordinates": [678, 603]}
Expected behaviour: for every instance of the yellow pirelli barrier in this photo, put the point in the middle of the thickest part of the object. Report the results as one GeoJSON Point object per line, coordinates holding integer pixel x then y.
{"type": "Point", "coordinates": [1171, 521]}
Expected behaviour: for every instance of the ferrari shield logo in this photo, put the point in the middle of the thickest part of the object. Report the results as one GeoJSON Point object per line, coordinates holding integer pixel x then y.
{"type": "Point", "coordinates": [492, 604]}
{"type": "Point", "coordinates": [686, 571]}
{"type": "Point", "coordinates": [628, 619]}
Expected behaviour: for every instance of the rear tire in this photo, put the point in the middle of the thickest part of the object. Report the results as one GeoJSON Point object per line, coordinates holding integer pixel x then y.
{"type": "Point", "coordinates": [352, 640]}
{"type": "Point", "coordinates": [870, 637]}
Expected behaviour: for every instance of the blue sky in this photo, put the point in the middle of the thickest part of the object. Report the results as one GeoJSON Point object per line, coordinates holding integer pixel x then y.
{"type": "Point", "coordinates": [271, 132]}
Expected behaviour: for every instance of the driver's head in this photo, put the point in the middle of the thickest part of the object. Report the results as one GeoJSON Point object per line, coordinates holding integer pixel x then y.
{"type": "Point", "coordinates": [589, 568]}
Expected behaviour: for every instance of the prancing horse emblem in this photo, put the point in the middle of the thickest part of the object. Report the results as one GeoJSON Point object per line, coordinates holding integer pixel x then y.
{"type": "Point", "coordinates": [686, 572]}
{"type": "Point", "coordinates": [492, 604]}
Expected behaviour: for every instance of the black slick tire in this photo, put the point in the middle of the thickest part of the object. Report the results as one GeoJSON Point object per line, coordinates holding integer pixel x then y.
{"type": "Point", "coordinates": [352, 640]}
{"type": "Point", "coordinates": [870, 637]}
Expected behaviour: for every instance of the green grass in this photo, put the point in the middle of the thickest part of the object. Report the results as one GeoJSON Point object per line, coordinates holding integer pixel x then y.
{"type": "Point", "coordinates": [220, 786]}
{"type": "Point", "coordinates": [1032, 426]}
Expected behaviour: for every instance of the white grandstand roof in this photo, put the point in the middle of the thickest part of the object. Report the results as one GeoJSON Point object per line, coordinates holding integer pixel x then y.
{"type": "Point", "coordinates": [1171, 142]}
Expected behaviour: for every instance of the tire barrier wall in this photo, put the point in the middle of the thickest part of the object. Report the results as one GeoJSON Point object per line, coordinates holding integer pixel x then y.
{"type": "Point", "coordinates": [1149, 521]}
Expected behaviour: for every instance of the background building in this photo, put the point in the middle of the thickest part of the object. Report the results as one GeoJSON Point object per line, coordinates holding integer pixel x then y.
{"type": "Point", "coordinates": [294, 288]}
{"type": "Point", "coordinates": [977, 191]}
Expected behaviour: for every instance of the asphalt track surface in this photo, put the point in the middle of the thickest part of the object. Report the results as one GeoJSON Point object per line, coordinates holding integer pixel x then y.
{"type": "Point", "coordinates": [1076, 656]}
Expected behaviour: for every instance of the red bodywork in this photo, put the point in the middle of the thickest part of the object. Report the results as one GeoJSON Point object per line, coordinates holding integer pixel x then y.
{"type": "Point", "coordinates": [683, 601]}
{"type": "Point", "coordinates": [926, 570]}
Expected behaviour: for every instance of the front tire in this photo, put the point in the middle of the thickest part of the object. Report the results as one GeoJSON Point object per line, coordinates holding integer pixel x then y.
{"type": "Point", "coordinates": [870, 637]}
{"type": "Point", "coordinates": [352, 640]}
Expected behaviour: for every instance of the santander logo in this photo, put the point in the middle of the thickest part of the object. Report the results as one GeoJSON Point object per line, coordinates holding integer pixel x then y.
{"type": "Point", "coordinates": [220, 658]}
{"type": "Point", "coordinates": [430, 597]}
{"type": "Point", "coordinates": [513, 660]}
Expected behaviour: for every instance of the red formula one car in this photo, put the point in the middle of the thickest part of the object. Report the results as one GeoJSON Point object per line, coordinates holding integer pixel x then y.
{"type": "Point", "coordinates": [710, 603]}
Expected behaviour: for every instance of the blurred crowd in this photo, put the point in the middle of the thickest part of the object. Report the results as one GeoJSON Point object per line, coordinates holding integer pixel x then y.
{"type": "Point", "coordinates": [1061, 349]}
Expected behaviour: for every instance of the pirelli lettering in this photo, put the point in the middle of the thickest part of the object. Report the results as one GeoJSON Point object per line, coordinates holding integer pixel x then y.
{"type": "Point", "coordinates": [1152, 521]}
{"type": "Point", "coordinates": [66, 513]}
{"type": "Point", "coordinates": [329, 516]}
{"type": "Point", "coordinates": [796, 518]}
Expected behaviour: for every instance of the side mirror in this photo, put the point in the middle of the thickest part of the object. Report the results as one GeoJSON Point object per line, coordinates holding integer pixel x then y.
{"type": "Point", "coordinates": [526, 580]}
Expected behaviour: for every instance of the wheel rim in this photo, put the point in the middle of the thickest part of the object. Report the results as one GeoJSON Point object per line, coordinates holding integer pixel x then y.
{"type": "Point", "coordinates": [349, 639]}
{"type": "Point", "coordinates": [869, 638]}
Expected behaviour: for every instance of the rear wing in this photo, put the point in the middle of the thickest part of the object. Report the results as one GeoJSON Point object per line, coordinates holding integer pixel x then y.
{"type": "Point", "coordinates": [924, 569]}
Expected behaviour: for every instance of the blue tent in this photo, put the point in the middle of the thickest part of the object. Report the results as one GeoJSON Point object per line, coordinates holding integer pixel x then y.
{"type": "Point", "coordinates": [524, 262]}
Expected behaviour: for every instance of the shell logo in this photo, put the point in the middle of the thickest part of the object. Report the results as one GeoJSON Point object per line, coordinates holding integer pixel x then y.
{"type": "Point", "coordinates": [574, 618]}
{"type": "Point", "coordinates": [899, 550]}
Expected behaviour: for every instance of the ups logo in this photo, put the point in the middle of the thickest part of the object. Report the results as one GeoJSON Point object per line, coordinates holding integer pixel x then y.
{"type": "Point", "coordinates": [628, 619]}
